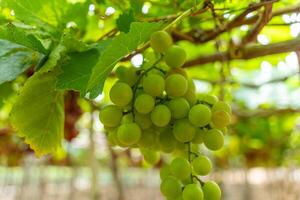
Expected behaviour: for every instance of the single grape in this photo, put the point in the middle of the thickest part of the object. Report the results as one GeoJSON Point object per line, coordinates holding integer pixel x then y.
{"type": "Point", "coordinates": [165, 171]}
{"type": "Point", "coordinates": [160, 41]}
{"type": "Point", "coordinates": [121, 94]}
{"type": "Point", "coordinates": [211, 191]}
{"type": "Point", "coordinates": [148, 138]}
{"type": "Point", "coordinates": [129, 133]}
{"type": "Point", "coordinates": [161, 116]}
{"type": "Point", "coordinates": [210, 99]}
{"type": "Point", "coordinates": [221, 105]}
{"type": "Point", "coordinates": [178, 71]}
{"type": "Point", "coordinates": [144, 103]}
{"type": "Point", "coordinates": [200, 115]}
{"type": "Point", "coordinates": [198, 139]}
{"type": "Point", "coordinates": [143, 120]}
{"type": "Point", "coordinates": [151, 157]}
{"type": "Point", "coordinates": [202, 165]}
{"type": "Point", "coordinates": [171, 187]}
{"type": "Point", "coordinates": [112, 138]}
{"type": "Point", "coordinates": [175, 56]}
{"type": "Point", "coordinates": [179, 108]}
{"type": "Point", "coordinates": [191, 97]}
{"type": "Point", "coordinates": [154, 84]}
{"type": "Point", "coordinates": [128, 118]}
{"type": "Point", "coordinates": [111, 116]}
{"type": "Point", "coordinates": [192, 192]}
{"type": "Point", "coordinates": [183, 130]}
{"type": "Point", "coordinates": [213, 139]}
{"type": "Point", "coordinates": [220, 119]}
{"type": "Point", "coordinates": [167, 142]}
{"type": "Point", "coordinates": [181, 168]}
{"type": "Point", "coordinates": [176, 85]}
{"type": "Point", "coordinates": [127, 75]}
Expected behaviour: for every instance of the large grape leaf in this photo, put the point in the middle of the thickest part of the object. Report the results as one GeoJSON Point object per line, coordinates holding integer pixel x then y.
{"type": "Point", "coordinates": [15, 59]}
{"type": "Point", "coordinates": [38, 113]}
{"type": "Point", "coordinates": [5, 91]}
{"type": "Point", "coordinates": [124, 21]}
{"type": "Point", "coordinates": [121, 45]}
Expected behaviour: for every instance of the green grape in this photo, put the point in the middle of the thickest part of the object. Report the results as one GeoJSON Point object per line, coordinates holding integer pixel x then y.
{"type": "Point", "coordinates": [176, 85]}
{"type": "Point", "coordinates": [128, 118]}
{"type": "Point", "coordinates": [167, 142]}
{"type": "Point", "coordinates": [151, 157]}
{"type": "Point", "coordinates": [171, 187]}
{"type": "Point", "coordinates": [213, 139]}
{"type": "Point", "coordinates": [161, 116]}
{"type": "Point", "coordinates": [165, 171]}
{"type": "Point", "coordinates": [110, 116]}
{"type": "Point", "coordinates": [154, 84]}
{"type": "Point", "coordinates": [183, 130]}
{"type": "Point", "coordinates": [148, 138]}
{"type": "Point", "coordinates": [112, 138]}
{"type": "Point", "coordinates": [200, 115]}
{"type": "Point", "coordinates": [221, 105]}
{"type": "Point", "coordinates": [198, 139]}
{"type": "Point", "coordinates": [181, 168]}
{"type": "Point", "coordinates": [176, 198]}
{"type": "Point", "coordinates": [202, 165]}
{"type": "Point", "coordinates": [175, 56]}
{"type": "Point", "coordinates": [179, 107]}
{"type": "Point", "coordinates": [127, 75]}
{"type": "Point", "coordinates": [192, 192]}
{"type": "Point", "coordinates": [160, 41]}
{"type": "Point", "coordinates": [177, 71]}
{"type": "Point", "coordinates": [144, 103]}
{"type": "Point", "coordinates": [121, 94]}
{"type": "Point", "coordinates": [220, 119]}
{"type": "Point", "coordinates": [211, 191]}
{"type": "Point", "coordinates": [191, 97]}
{"type": "Point", "coordinates": [129, 133]}
{"type": "Point", "coordinates": [143, 120]}
{"type": "Point", "coordinates": [210, 99]}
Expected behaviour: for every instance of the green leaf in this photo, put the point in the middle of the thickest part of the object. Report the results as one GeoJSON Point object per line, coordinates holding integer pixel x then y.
{"type": "Point", "coordinates": [19, 36]}
{"type": "Point", "coordinates": [5, 91]}
{"type": "Point", "coordinates": [121, 46]}
{"type": "Point", "coordinates": [15, 59]}
{"type": "Point", "coordinates": [55, 56]}
{"type": "Point", "coordinates": [38, 114]}
{"type": "Point", "coordinates": [124, 21]}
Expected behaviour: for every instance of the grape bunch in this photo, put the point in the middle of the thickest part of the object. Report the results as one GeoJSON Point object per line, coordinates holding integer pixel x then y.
{"type": "Point", "coordinates": [158, 110]}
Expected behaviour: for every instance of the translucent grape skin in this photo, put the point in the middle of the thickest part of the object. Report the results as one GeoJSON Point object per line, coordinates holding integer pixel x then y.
{"type": "Point", "coordinates": [183, 130]}
{"type": "Point", "coordinates": [202, 165]}
{"type": "Point", "coordinates": [175, 56]}
{"type": "Point", "coordinates": [210, 99]}
{"type": "Point", "coordinates": [176, 85]}
{"type": "Point", "coordinates": [160, 41]}
{"type": "Point", "coordinates": [121, 94]}
{"type": "Point", "coordinates": [211, 191]}
{"type": "Point", "coordinates": [150, 156]}
{"type": "Point", "coordinates": [144, 103]}
{"type": "Point", "coordinates": [161, 115]}
{"type": "Point", "coordinates": [127, 75]}
{"type": "Point", "coordinates": [220, 119]}
{"type": "Point", "coordinates": [170, 187]}
{"type": "Point", "coordinates": [154, 84]}
{"type": "Point", "coordinates": [148, 138]}
{"type": "Point", "coordinates": [165, 171]}
{"type": "Point", "coordinates": [181, 168]}
{"type": "Point", "coordinates": [213, 139]}
{"type": "Point", "coordinates": [198, 138]}
{"type": "Point", "coordinates": [167, 142]}
{"type": "Point", "coordinates": [200, 115]}
{"type": "Point", "coordinates": [143, 120]}
{"type": "Point", "coordinates": [192, 192]}
{"type": "Point", "coordinates": [129, 133]}
{"type": "Point", "coordinates": [221, 105]}
{"type": "Point", "coordinates": [179, 107]}
{"type": "Point", "coordinates": [111, 116]}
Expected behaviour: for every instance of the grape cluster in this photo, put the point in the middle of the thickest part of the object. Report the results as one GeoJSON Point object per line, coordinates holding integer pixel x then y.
{"type": "Point", "coordinates": [158, 111]}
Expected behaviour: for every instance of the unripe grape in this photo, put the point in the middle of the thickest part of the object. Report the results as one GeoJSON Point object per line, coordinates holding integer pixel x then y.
{"type": "Point", "coordinates": [153, 84]}
{"type": "Point", "coordinates": [144, 103]}
{"type": "Point", "coordinates": [213, 139]}
{"type": "Point", "coordinates": [127, 75]}
{"type": "Point", "coordinates": [202, 165]}
{"type": "Point", "coordinates": [165, 171]}
{"type": "Point", "coordinates": [179, 108]}
{"type": "Point", "coordinates": [198, 139]}
{"type": "Point", "coordinates": [171, 187]}
{"type": "Point", "coordinates": [111, 116]}
{"type": "Point", "coordinates": [176, 85]}
{"type": "Point", "coordinates": [160, 41]}
{"type": "Point", "coordinates": [210, 99]}
{"type": "Point", "coordinates": [151, 157]}
{"type": "Point", "coordinates": [220, 119]}
{"type": "Point", "coordinates": [181, 168]}
{"type": "Point", "coordinates": [211, 191]}
{"type": "Point", "coordinates": [148, 138]}
{"type": "Point", "coordinates": [143, 120]}
{"type": "Point", "coordinates": [221, 105]}
{"type": "Point", "coordinates": [200, 115]}
{"type": "Point", "coordinates": [183, 130]}
{"type": "Point", "coordinates": [129, 133]}
{"type": "Point", "coordinates": [167, 142]}
{"type": "Point", "coordinates": [161, 116]}
{"type": "Point", "coordinates": [175, 56]}
{"type": "Point", "coordinates": [121, 94]}
{"type": "Point", "coordinates": [192, 192]}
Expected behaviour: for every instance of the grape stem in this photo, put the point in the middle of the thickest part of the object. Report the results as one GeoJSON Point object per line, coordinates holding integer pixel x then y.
{"type": "Point", "coordinates": [190, 160]}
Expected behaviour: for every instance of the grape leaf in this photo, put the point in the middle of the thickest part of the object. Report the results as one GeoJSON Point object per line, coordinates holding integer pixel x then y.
{"type": "Point", "coordinates": [5, 91]}
{"type": "Point", "coordinates": [19, 36]}
{"type": "Point", "coordinates": [38, 113]}
{"type": "Point", "coordinates": [15, 59]}
{"type": "Point", "coordinates": [121, 46]}
{"type": "Point", "coordinates": [124, 21]}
